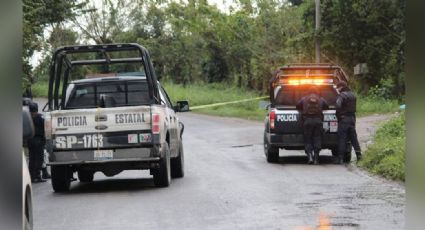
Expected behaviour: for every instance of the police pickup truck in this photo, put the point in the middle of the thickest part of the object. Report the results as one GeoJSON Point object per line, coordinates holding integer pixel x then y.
{"type": "Point", "coordinates": [107, 112]}
{"type": "Point", "coordinates": [283, 122]}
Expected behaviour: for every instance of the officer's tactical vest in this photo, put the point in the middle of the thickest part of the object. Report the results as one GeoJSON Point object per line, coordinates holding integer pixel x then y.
{"type": "Point", "coordinates": [348, 103]}
{"type": "Point", "coordinates": [312, 105]}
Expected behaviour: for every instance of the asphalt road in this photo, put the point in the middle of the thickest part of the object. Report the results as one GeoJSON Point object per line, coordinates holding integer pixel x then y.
{"type": "Point", "coordinates": [229, 185]}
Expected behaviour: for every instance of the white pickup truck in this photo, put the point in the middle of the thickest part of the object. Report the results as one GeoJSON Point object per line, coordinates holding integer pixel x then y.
{"type": "Point", "coordinates": [110, 121]}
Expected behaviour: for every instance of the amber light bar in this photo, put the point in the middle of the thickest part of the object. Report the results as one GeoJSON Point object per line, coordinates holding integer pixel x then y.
{"type": "Point", "coordinates": [305, 81]}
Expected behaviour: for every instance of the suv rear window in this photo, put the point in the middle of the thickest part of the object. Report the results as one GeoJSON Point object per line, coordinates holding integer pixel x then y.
{"type": "Point", "coordinates": [290, 95]}
{"type": "Point", "coordinates": [108, 94]}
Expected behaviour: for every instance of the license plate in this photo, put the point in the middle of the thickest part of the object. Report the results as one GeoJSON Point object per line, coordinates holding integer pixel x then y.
{"type": "Point", "coordinates": [333, 126]}
{"type": "Point", "coordinates": [103, 154]}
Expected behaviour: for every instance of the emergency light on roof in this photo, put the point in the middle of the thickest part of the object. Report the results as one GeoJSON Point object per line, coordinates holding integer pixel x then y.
{"type": "Point", "coordinates": [305, 81]}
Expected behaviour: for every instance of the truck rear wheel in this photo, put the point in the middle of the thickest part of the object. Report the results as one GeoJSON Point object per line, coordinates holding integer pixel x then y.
{"type": "Point", "coordinates": [334, 152]}
{"type": "Point", "coordinates": [162, 175]}
{"type": "Point", "coordinates": [61, 180]}
{"type": "Point", "coordinates": [177, 164]}
{"type": "Point", "coordinates": [85, 176]}
{"type": "Point", "coordinates": [272, 153]}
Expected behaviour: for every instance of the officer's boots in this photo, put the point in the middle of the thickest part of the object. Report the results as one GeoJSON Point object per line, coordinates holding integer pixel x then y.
{"type": "Point", "coordinates": [45, 174]}
{"type": "Point", "coordinates": [359, 156]}
{"type": "Point", "coordinates": [37, 178]}
{"type": "Point", "coordinates": [316, 157]}
{"type": "Point", "coordinates": [310, 158]}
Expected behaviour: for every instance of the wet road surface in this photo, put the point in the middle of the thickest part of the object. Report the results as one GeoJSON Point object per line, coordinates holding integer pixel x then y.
{"type": "Point", "coordinates": [229, 185]}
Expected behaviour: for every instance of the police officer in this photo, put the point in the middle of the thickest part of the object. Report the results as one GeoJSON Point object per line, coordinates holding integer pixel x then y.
{"type": "Point", "coordinates": [346, 114]}
{"type": "Point", "coordinates": [311, 107]}
{"type": "Point", "coordinates": [36, 144]}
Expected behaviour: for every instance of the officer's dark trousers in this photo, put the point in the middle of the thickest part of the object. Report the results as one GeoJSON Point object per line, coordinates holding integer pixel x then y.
{"type": "Point", "coordinates": [347, 132]}
{"type": "Point", "coordinates": [36, 157]}
{"type": "Point", "coordinates": [313, 129]}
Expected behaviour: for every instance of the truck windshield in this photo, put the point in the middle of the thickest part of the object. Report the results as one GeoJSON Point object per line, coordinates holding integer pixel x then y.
{"type": "Point", "coordinates": [289, 95]}
{"type": "Point", "coordinates": [108, 94]}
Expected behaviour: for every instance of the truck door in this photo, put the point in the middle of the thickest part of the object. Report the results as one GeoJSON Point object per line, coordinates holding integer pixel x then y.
{"type": "Point", "coordinates": [171, 120]}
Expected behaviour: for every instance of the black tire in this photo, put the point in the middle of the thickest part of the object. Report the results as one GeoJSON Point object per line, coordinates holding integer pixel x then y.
{"type": "Point", "coordinates": [272, 153]}
{"type": "Point", "coordinates": [162, 175]}
{"type": "Point", "coordinates": [28, 219]}
{"type": "Point", "coordinates": [61, 180]}
{"type": "Point", "coordinates": [85, 176]}
{"type": "Point", "coordinates": [334, 152]}
{"type": "Point", "coordinates": [177, 164]}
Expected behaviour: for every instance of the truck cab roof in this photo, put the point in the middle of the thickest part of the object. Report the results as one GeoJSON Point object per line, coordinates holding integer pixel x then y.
{"type": "Point", "coordinates": [103, 79]}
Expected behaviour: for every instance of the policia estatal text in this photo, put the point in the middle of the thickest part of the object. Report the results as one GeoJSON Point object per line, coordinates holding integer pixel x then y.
{"type": "Point", "coordinates": [346, 114]}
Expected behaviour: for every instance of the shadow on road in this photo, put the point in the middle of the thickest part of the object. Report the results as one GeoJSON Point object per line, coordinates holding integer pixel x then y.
{"type": "Point", "coordinates": [323, 160]}
{"type": "Point", "coordinates": [110, 185]}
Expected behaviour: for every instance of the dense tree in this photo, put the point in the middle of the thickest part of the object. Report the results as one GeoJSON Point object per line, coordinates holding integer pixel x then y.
{"type": "Point", "coordinates": [38, 14]}
{"type": "Point", "coordinates": [192, 41]}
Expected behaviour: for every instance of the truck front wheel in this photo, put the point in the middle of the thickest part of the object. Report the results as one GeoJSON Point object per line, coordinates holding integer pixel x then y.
{"type": "Point", "coordinates": [162, 175]}
{"type": "Point", "coordinates": [61, 180]}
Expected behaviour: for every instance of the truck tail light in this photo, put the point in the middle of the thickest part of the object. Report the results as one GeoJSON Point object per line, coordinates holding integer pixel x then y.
{"type": "Point", "coordinates": [48, 126]}
{"type": "Point", "coordinates": [155, 124]}
{"type": "Point", "coordinates": [272, 118]}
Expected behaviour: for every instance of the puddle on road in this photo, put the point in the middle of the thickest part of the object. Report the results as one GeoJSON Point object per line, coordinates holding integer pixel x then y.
{"type": "Point", "coordinates": [242, 146]}
{"type": "Point", "coordinates": [325, 223]}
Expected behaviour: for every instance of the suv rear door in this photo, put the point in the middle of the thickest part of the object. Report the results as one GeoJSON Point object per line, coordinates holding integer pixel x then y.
{"type": "Point", "coordinates": [287, 118]}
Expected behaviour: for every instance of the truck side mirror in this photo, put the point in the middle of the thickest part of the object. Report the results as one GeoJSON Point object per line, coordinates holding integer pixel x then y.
{"type": "Point", "coordinates": [182, 106]}
{"type": "Point", "coordinates": [27, 125]}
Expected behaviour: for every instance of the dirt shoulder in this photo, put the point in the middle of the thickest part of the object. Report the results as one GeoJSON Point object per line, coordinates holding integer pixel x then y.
{"type": "Point", "coordinates": [366, 127]}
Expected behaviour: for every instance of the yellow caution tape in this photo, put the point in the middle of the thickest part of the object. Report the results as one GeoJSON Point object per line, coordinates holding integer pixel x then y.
{"type": "Point", "coordinates": [226, 103]}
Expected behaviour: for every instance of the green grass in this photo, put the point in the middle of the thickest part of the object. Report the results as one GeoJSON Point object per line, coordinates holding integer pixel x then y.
{"type": "Point", "coordinates": [368, 106]}
{"type": "Point", "coordinates": [386, 156]}
{"type": "Point", "coordinates": [215, 93]}
{"type": "Point", "coordinates": [40, 89]}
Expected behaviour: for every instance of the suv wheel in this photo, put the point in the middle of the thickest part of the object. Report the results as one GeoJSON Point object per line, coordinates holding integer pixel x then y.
{"type": "Point", "coordinates": [60, 178]}
{"type": "Point", "coordinates": [272, 153]}
{"type": "Point", "coordinates": [162, 175]}
{"type": "Point", "coordinates": [177, 164]}
{"type": "Point", "coordinates": [85, 176]}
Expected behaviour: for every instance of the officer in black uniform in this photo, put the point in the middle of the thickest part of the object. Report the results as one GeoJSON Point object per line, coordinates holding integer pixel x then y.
{"type": "Point", "coordinates": [346, 114]}
{"type": "Point", "coordinates": [36, 144]}
{"type": "Point", "coordinates": [311, 107]}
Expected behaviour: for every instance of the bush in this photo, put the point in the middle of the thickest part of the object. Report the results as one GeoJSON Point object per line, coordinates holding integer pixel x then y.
{"type": "Point", "coordinates": [40, 89]}
{"type": "Point", "coordinates": [386, 156]}
{"type": "Point", "coordinates": [371, 105]}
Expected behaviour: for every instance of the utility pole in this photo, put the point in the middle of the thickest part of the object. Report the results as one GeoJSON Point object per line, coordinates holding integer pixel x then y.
{"type": "Point", "coordinates": [317, 30]}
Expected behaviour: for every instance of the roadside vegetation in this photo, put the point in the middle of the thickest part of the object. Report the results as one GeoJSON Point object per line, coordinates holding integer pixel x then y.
{"type": "Point", "coordinates": [386, 155]}
{"type": "Point", "coordinates": [205, 94]}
